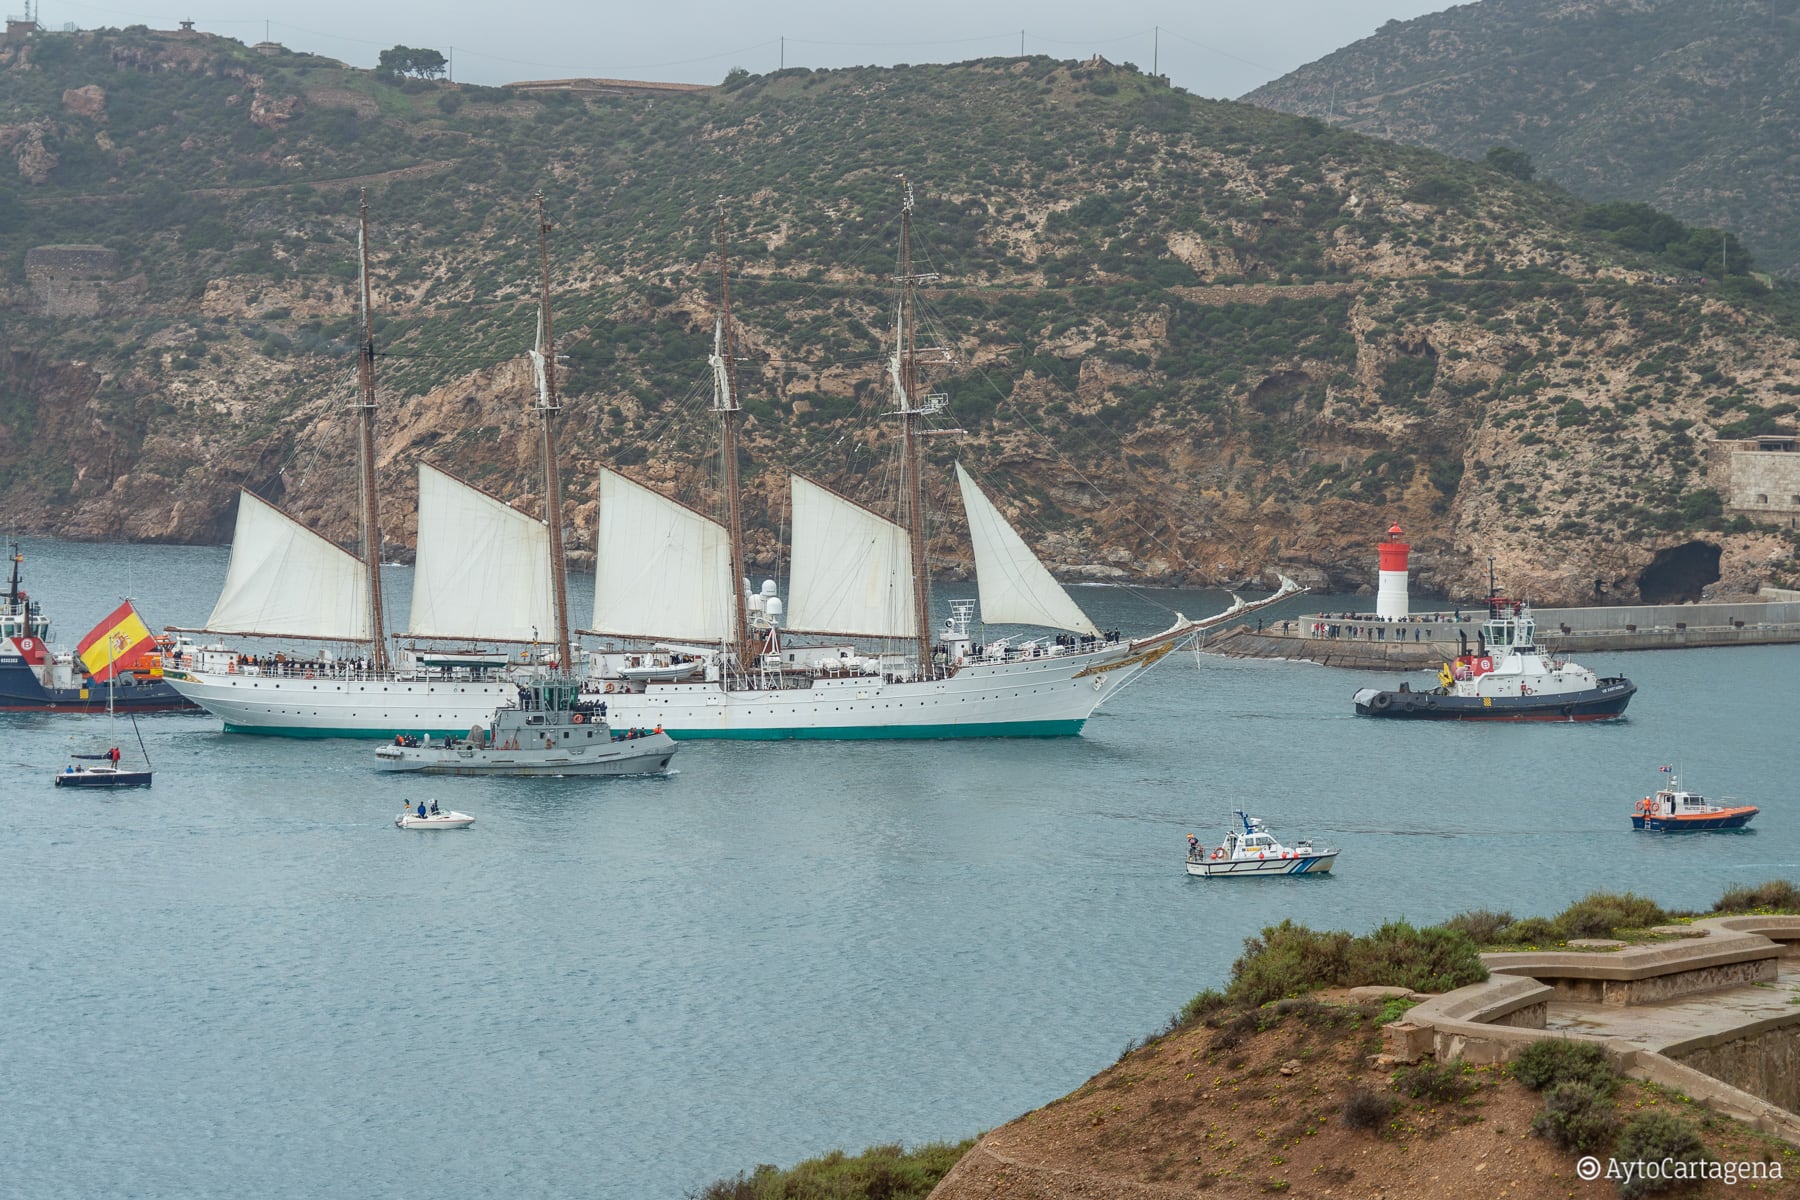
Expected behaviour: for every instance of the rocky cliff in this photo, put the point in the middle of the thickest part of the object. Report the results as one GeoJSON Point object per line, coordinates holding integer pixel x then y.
{"type": "Point", "coordinates": [1183, 340]}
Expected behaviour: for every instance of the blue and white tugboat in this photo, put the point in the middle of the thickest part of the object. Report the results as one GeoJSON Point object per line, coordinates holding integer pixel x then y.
{"type": "Point", "coordinates": [1506, 678]}
{"type": "Point", "coordinates": [1673, 809]}
{"type": "Point", "coordinates": [1253, 850]}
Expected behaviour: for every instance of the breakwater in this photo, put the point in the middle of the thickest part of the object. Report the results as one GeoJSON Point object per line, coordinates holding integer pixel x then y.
{"type": "Point", "coordinates": [1362, 642]}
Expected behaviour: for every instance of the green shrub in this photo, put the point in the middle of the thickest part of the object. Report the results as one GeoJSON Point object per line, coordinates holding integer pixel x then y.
{"type": "Point", "coordinates": [1532, 931]}
{"type": "Point", "coordinates": [1577, 1117]}
{"type": "Point", "coordinates": [1600, 914]}
{"type": "Point", "coordinates": [1366, 1108]}
{"type": "Point", "coordinates": [1440, 1083]}
{"type": "Point", "coordinates": [1286, 960]}
{"type": "Point", "coordinates": [1777, 894]}
{"type": "Point", "coordinates": [878, 1173]}
{"type": "Point", "coordinates": [1657, 1137]}
{"type": "Point", "coordinates": [1196, 1010]}
{"type": "Point", "coordinates": [1481, 926]}
{"type": "Point", "coordinates": [1550, 1061]}
{"type": "Point", "coordinates": [1433, 959]}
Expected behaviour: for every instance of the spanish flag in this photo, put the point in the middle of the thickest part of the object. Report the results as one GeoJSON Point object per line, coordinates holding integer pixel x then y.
{"type": "Point", "coordinates": [115, 644]}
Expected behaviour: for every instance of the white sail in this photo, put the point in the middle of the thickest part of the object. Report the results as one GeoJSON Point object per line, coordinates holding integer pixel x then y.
{"type": "Point", "coordinates": [852, 571]}
{"type": "Point", "coordinates": [661, 569]}
{"type": "Point", "coordinates": [1015, 588]}
{"type": "Point", "coordinates": [483, 567]}
{"type": "Point", "coordinates": [285, 579]}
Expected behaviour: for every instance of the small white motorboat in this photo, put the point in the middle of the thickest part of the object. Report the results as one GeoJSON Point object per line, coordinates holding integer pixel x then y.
{"type": "Point", "coordinates": [1253, 850]}
{"type": "Point", "coordinates": [431, 818]}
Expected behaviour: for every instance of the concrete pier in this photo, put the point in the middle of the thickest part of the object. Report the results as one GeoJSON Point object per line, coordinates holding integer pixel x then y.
{"type": "Point", "coordinates": [1365, 643]}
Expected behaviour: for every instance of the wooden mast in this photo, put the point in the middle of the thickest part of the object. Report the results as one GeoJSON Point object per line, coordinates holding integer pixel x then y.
{"type": "Point", "coordinates": [911, 443]}
{"type": "Point", "coordinates": [549, 408]}
{"type": "Point", "coordinates": [371, 522]}
{"type": "Point", "coordinates": [730, 417]}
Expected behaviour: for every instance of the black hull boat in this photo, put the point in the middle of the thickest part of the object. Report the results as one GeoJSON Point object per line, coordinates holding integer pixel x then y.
{"type": "Point", "coordinates": [22, 690]}
{"type": "Point", "coordinates": [33, 678]}
{"type": "Point", "coordinates": [1604, 703]}
{"type": "Point", "coordinates": [102, 777]}
{"type": "Point", "coordinates": [1505, 677]}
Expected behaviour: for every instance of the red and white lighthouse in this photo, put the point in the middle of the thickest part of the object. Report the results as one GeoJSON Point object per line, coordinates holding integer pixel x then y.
{"type": "Point", "coordinates": [1390, 594]}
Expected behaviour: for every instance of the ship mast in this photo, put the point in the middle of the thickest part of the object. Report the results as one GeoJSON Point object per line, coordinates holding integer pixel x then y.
{"type": "Point", "coordinates": [371, 523]}
{"type": "Point", "coordinates": [549, 408]}
{"type": "Point", "coordinates": [911, 442]}
{"type": "Point", "coordinates": [725, 403]}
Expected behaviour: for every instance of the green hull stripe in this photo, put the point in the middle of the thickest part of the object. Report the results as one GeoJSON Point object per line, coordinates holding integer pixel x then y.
{"type": "Point", "coordinates": [888, 732]}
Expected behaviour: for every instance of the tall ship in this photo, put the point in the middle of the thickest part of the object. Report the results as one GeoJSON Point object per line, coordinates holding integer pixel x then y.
{"type": "Point", "coordinates": [696, 652]}
{"type": "Point", "coordinates": [485, 576]}
{"type": "Point", "coordinates": [119, 653]}
{"type": "Point", "coordinates": [1505, 677]}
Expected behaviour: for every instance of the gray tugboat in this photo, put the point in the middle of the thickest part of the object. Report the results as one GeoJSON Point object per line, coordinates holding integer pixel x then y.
{"type": "Point", "coordinates": [553, 730]}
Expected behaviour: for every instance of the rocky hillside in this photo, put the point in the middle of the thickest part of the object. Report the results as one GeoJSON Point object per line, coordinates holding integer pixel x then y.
{"type": "Point", "coordinates": [1689, 105]}
{"type": "Point", "coordinates": [1185, 339]}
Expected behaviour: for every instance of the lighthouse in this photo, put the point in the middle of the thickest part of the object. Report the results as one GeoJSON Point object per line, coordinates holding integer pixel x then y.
{"type": "Point", "coordinates": [1390, 595]}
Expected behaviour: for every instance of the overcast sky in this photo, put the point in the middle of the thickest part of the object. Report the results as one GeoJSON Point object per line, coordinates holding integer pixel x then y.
{"type": "Point", "coordinates": [1211, 48]}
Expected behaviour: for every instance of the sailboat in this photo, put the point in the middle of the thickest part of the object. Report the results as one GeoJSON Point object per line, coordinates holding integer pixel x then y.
{"type": "Point", "coordinates": [484, 573]}
{"type": "Point", "coordinates": [103, 770]}
{"type": "Point", "coordinates": [675, 578]}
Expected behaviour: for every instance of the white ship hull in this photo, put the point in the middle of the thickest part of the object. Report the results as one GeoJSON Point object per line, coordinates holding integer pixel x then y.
{"type": "Point", "coordinates": [1048, 696]}
{"type": "Point", "coordinates": [289, 706]}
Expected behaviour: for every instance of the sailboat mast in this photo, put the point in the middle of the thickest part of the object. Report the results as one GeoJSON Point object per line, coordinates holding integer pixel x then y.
{"type": "Point", "coordinates": [549, 409]}
{"type": "Point", "coordinates": [371, 524]}
{"type": "Point", "coordinates": [911, 444]}
{"type": "Point", "coordinates": [730, 417]}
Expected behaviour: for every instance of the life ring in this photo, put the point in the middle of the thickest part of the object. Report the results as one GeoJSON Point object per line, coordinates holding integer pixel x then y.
{"type": "Point", "coordinates": [1219, 853]}
{"type": "Point", "coordinates": [579, 718]}
{"type": "Point", "coordinates": [609, 689]}
{"type": "Point", "coordinates": [309, 674]}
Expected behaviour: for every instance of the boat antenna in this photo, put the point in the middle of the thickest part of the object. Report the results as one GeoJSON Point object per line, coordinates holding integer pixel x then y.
{"type": "Point", "coordinates": [371, 521]}
{"type": "Point", "coordinates": [911, 443]}
{"type": "Point", "coordinates": [549, 408]}
{"type": "Point", "coordinates": [17, 558]}
{"type": "Point", "coordinates": [725, 403]}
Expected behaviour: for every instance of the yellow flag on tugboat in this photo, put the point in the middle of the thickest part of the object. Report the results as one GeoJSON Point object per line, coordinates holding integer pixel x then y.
{"type": "Point", "coordinates": [115, 644]}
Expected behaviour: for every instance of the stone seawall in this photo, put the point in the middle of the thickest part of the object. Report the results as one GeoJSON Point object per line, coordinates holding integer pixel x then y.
{"type": "Point", "coordinates": [1364, 644]}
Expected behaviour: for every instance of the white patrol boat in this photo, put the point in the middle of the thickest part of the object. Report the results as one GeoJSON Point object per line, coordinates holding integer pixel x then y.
{"type": "Point", "coordinates": [1252, 850]}
{"type": "Point", "coordinates": [551, 730]}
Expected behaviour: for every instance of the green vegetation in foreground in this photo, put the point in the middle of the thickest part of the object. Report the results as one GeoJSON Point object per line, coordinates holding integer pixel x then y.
{"type": "Point", "coordinates": [1286, 961]}
{"type": "Point", "coordinates": [878, 1173]}
{"type": "Point", "coordinates": [1624, 916]}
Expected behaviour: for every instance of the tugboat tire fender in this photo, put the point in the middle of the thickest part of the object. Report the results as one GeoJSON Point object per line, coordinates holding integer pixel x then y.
{"type": "Point", "coordinates": [1409, 706]}
{"type": "Point", "coordinates": [1380, 700]}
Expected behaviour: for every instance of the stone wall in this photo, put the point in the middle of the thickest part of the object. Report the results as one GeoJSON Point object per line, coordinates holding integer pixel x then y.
{"type": "Point", "coordinates": [70, 281]}
{"type": "Point", "coordinates": [1594, 988]}
{"type": "Point", "coordinates": [1765, 1064]}
{"type": "Point", "coordinates": [1760, 483]}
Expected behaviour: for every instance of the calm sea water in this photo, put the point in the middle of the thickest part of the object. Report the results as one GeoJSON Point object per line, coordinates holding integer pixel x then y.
{"type": "Point", "coordinates": [246, 982]}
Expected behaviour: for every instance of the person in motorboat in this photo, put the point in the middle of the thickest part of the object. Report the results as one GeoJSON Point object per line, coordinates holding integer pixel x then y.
{"type": "Point", "coordinates": [421, 808]}
{"type": "Point", "coordinates": [1195, 850]}
{"type": "Point", "coordinates": [434, 806]}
